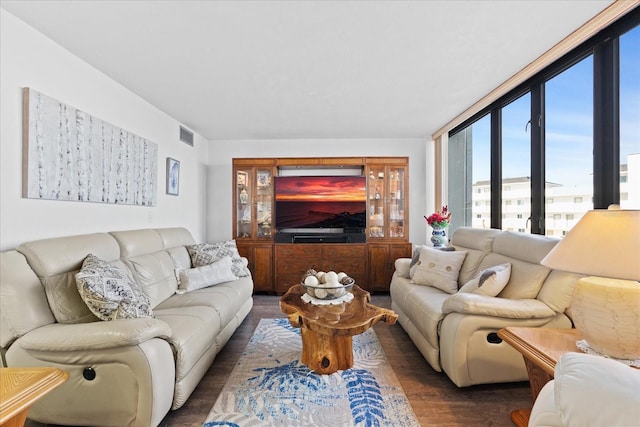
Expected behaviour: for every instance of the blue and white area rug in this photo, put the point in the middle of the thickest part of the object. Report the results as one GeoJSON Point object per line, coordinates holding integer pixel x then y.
{"type": "Point", "coordinates": [269, 386]}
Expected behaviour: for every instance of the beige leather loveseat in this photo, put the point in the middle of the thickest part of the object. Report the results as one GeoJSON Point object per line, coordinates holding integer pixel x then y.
{"type": "Point", "coordinates": [457, 332]}
{"type": "Point", "coordinates": [123, 372]}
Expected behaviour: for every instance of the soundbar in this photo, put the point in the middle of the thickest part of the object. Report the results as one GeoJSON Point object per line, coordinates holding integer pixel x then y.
{"type": "Point", "coordinates": [320, 238]}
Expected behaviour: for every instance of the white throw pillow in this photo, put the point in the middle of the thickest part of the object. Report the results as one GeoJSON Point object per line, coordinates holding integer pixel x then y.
{"type": "Point", "coordinates": [109, 293]}
{"type": "Point", "coordinates": [438, 269]}
{"type": "Point", "coordinates": [490, 281]}
{"type": "Point", "coordinates": [217, 272]}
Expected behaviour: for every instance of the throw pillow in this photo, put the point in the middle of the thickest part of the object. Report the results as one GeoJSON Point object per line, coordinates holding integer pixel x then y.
{"type": "Point", "coordinates": [438, 269]}
{"type": "Point", "coordinates": [109, 293]}
{"type": "Point", "coordinates": [489, 282]}
{"type": "Point", "coordinates": [416, 256]}
{"type": "Point", "coordinates": [206, 253]}
{"type": "Point", "coordinates": [201, 277]}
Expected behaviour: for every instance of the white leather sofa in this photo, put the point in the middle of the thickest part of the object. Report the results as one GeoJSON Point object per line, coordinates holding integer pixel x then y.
{"type": "Point", "coordinates": [589, 391]}
{"type": "Point", "coordinates": [457, 333]}
{"type": "Point", "coordinates": [124, 372]}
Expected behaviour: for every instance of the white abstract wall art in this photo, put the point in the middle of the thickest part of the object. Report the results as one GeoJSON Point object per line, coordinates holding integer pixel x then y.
{"type": "Point", "coordinates": [71, 155]}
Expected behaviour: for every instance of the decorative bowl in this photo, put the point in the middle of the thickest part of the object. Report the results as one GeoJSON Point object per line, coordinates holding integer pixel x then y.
{"type": "Point", "coordinates": [326, 286]}
{"type": "Point", "coordinates": [325, 292]}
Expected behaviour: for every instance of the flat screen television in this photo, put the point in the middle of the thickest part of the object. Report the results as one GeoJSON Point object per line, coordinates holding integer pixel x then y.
{"type": "Point", "coordinates": [320, 202]}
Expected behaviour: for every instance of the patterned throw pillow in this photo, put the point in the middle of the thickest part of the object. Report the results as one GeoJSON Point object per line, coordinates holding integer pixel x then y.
{"type": "Point", "coordinates": [489, 282]}
{"type": "Point", "coordinates": [438, 269]}
{"type": "Point", "coordinates": [206, 253]}
{"type": "Point", "coordinates": [109, 293]}
{"type": "Point", "coordinates": [208, 275]}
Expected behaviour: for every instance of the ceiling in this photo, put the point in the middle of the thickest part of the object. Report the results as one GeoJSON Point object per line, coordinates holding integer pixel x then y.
{"type": "Point", "coordinates": [308, 69]}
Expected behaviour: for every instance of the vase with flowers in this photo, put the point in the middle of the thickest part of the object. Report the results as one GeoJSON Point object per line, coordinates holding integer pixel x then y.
{"type": "Point", "coordinates": [439, 222]}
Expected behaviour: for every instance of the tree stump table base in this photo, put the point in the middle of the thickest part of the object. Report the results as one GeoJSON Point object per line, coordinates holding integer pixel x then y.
{"type": "Point", "coordinates": [327, 330]}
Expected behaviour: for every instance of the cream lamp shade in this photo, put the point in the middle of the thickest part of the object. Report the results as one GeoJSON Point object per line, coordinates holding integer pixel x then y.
{"type": "Point", "coordinates": [605, 308]}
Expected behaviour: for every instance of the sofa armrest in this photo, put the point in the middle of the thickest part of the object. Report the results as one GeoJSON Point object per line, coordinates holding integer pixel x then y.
{"type": "Point", "coordinates": [60, 337]}
{"type": "Point", "coordinates": [469, 303]}
{"type": "Point", "coordinates": [402, 267]}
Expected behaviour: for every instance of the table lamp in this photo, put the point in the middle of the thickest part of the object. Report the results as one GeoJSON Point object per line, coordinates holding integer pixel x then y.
{"type": "Point", "coordinates": [604, 245]}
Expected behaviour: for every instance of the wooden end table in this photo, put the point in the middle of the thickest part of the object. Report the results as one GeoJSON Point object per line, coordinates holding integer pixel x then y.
{"type": "Point", "coordinates": [541, 348]}
{"type": "Point", "coordinates": [327, 330]}
{"type": "Point", "coordinates": [21, 387]}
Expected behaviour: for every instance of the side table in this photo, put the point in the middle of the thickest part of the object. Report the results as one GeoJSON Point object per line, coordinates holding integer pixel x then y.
{"type": "Point", "coordinates": [327, 330]}
{"type": "Point", "coordinates": [21, 387]}
{"type": "Point", "coordinates": [541, 348]}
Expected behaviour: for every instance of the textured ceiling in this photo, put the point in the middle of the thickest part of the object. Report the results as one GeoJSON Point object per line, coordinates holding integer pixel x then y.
{"type": "Point", "coordinates": [308, 69]}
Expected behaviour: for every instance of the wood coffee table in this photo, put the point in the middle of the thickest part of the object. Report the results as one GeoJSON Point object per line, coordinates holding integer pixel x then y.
{"type": "Point", "coordinates": [327, 330]}
{"type": "Point", "coordinates": [21, 387]}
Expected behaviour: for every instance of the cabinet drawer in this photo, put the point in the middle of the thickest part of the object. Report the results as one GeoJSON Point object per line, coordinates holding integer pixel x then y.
{"type": "Point", "coordinates": [298, 268]}
{"type": "Point", "coordinates": [344, 251]}
{"type": "Point", "coordinates": [298, 251]}
{"type": "Point", "coordinates": [349, 266]}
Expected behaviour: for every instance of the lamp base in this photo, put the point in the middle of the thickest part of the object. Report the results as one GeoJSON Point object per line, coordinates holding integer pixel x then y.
{"type": "Point", "coordinates": [607, 314]}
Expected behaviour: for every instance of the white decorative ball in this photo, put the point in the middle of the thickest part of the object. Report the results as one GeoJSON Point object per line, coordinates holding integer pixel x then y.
{"type": "Point", "coordinates": [341, 275]}
{"type": "Point", "coordinates": [331, 276]}
{"type": "Point", "coordinates": [311, 281]}
{"type": "Point", "coordinates": [321, 293]}
{"type": "Point", "coordinates": [320, 276]}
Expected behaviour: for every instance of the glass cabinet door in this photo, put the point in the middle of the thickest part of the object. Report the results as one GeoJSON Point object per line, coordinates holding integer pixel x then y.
{"type": "Point", "coordinates": [396, 202]}
{"type": "Point", "coordinates": [263, 202]}
{"type": "Point", "coordinates": [243, 197]}
{"type": "Point", "coordinates": [386, 193]}
{"type": "Point", "coordinates": [254, 202]}
{"type": "Point", "coordinates": [377, 193]}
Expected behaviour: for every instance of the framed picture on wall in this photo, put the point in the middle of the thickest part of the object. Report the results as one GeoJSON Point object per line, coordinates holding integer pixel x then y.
{"type": "Point", "coordinates": [173, 176]}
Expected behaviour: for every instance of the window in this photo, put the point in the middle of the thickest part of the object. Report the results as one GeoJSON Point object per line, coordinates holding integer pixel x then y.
{"type": "Point", "coordinates": [470, 174]}
{"type": "Point", "coordinates": [557, 216]}
{"type": "Point", "coordinates": [569, 135]}
{"type": "Point", "coordinates": [516, 146]}
{"type": "Point", "coordinates": [629, 123]}
{"type": "Point", "coordinates": [557, 141]}
{"type": "Point", "coordinates": [519, 216]}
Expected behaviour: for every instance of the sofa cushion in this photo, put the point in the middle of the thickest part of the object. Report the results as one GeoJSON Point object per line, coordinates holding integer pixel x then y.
{"type": "Point", "coordinates": [208, 275]}
{"type": "Point", "coordinates": [438, 269]}
{"type": "Point", "coordinates": [490, 282]}
{"type": "Point", "coordinates": [109, 293]}
{"type": "Point", "coordinates": [57, 270]}
{"type": "Point", "coordinates": [193, 333]}
{"type": "Point", "coordinates": [18, 283]}
{"type": "Point", "coordinates": [226, 298]}
{"type": "Point", "coordinates": [155, 273]}
{"type": "Point", "coordinates": [206, 253]}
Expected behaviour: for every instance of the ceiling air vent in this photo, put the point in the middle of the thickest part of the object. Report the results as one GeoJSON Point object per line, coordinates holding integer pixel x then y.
{"type": "Point", "coordinates": [186, 136]}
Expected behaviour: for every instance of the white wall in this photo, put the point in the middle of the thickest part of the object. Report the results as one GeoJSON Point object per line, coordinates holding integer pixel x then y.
{"type": "Point", "coordinates": [220, 198]}
{"type": "Point", "coordinates": [29, 59]}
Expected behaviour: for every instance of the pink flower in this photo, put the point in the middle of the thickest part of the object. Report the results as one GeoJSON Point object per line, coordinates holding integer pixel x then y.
{"type": "Point", "coordinates": [439, 219]}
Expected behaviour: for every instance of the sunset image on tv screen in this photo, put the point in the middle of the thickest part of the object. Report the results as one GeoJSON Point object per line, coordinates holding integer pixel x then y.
{"type": "Point", "coordinates": [320, 201]}
{"type": "Point", "coordinates": [320, 188]}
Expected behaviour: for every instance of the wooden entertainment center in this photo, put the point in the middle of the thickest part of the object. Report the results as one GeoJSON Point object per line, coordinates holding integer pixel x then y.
{"type": "Point", "coordinates": [278, 261]}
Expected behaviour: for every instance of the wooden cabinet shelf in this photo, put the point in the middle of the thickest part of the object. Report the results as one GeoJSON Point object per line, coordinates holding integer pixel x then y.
{"type": "Point", "coordinates": [277, 266]}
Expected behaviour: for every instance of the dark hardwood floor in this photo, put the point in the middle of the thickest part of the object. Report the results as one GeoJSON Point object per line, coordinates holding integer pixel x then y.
{"type": "Point", "coordinates": [436, 401]}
